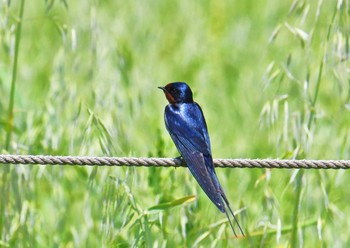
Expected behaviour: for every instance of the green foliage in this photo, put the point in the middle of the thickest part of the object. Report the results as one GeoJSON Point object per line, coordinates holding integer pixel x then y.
{"type": "Point", "coordinates": [80, 78]}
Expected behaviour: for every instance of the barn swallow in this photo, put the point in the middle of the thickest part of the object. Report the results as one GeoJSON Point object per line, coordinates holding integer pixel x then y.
{"type": "Point", "coordinates": [187, 127]}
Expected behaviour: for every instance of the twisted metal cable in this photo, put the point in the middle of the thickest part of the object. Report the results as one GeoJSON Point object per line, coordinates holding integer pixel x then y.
{"type": "Point", "coordinates": [172, 162]}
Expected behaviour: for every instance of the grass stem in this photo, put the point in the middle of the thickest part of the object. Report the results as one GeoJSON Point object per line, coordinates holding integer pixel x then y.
{"type": "Point", "coordinates": [10, 120]}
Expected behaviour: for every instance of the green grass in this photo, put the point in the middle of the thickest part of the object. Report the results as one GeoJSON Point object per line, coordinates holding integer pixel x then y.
{"type": "Point", "coordinates": [80, 78]}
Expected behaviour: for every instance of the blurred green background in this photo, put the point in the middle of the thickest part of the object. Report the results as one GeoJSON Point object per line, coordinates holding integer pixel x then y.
{"type": "Point", "coordinates": [272, 78]}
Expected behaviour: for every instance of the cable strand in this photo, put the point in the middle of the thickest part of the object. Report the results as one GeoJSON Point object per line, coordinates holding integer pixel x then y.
{"type": "Point", "coordinates": [171, 162]}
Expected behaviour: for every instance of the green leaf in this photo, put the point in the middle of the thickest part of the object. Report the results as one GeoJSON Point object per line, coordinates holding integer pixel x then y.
{"type": "Point", "coordinates": [171, 204]}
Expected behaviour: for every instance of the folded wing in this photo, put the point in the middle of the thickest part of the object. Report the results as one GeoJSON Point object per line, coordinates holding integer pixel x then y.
{"type": "Point", "coordinates": [190, 135]}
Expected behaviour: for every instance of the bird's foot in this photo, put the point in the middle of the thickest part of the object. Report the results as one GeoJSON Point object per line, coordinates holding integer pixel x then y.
{"type": "Point", "coordinates": [179, 157]}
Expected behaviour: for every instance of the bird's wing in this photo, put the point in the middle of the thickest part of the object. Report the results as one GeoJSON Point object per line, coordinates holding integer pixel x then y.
{"type": "Point", "coordinates": [191, 138]}
{"type": "Point", "coordinates": [190, 127]}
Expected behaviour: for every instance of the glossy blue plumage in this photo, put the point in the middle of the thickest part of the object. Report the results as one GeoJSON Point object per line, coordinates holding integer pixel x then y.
{"type": "Point", "coordinates": [187, 127]}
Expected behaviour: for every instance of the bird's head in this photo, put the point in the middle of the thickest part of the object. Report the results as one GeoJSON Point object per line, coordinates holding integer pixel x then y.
{"type": "Point", "coordinates": [177, 92]}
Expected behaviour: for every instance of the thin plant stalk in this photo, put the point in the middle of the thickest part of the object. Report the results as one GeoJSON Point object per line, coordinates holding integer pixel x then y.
{"type": "Point", "coordinates": [301, 172]}
{"type": "Point", "coordinates": [14, 76]}
{"type": "Point", "coordinates": [5, 172]}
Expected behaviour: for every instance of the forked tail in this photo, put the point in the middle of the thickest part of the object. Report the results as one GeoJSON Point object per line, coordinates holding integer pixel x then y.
{"type": "Point", "coordinates": [228, 217]}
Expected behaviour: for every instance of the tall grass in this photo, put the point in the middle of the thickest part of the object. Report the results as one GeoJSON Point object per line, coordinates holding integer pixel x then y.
{"type": "Point", "coordinates": [272, 79]}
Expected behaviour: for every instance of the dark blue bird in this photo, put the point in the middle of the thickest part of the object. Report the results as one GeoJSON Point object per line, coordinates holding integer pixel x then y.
{"type": "Point", "coordinates": [186, 125]}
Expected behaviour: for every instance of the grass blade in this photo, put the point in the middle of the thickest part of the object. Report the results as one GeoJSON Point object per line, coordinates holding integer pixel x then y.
{"type": "Point", "coordinates": [171, 204]}
{"type": "Point", "coordinates": [14, 77]}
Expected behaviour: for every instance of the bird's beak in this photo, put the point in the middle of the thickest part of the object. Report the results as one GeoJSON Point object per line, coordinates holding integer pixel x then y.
{"type": "Point", "coordinates": [162, 88]}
